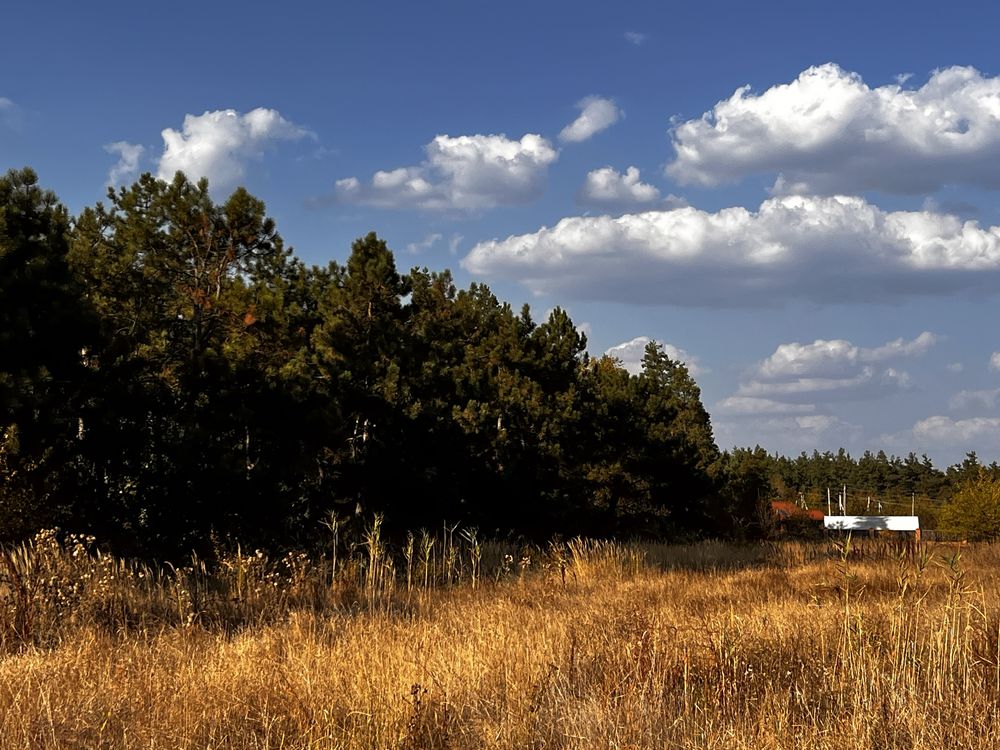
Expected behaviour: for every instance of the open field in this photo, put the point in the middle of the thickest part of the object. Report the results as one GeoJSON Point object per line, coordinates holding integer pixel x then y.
{"type": "Point", "coordinates": [579, 646]}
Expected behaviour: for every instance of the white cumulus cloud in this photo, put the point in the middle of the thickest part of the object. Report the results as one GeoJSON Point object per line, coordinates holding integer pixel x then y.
{"type": "Point", "coordinates": [829, 132]}
{"type": "Point", "coordinates": [218, 145]}
{"type": "Point", "coordinates": [820, 249]}
{"type": "Point", "coordinates": [596, 114]}
{"type": "Point", "coordinates": [948, 436]}
{"type": "Point", "coordinates": [830, 357]}
{"type": "Point", "coordinates": [127, 166]}
{"type": "Point", "coordinates": [807, 379]}
{"type": "Point", "coordinates": [630, 354]}
{"type": "Point", "coordinates": [463, 173]}
{"type": "Point", "coordinates": [944, 430]}
{"type": "Point", "coordinates": [995, 361]}
{"type": "Point", "coordinates": [608, 188]}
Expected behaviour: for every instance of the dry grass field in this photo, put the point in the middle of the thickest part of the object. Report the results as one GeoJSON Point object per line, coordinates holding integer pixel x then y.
{"type": "Point", "coordinates": [449, 643]}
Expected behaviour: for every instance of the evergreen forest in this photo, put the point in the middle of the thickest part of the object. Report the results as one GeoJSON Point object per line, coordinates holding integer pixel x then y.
{"type": "Point", "coordinates": [173, 378]}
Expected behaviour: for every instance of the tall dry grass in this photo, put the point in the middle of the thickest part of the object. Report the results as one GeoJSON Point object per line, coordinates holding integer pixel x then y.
{"type": "Point", "coordinates": [447, 642]}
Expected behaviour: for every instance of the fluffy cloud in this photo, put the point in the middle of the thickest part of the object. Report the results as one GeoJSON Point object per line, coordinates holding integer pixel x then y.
{"type": "Point", "coordinates": [630, 354]}
{"type": "Point", "coordinates": [944, 430]}
{"type": "Point", "coordinates": [635, 37]}
{"type": "Point", "coordinates": [608, 188]}
{"type": "Point", "coordinates": [798, 377]}
{"type": "Point", "coordinates": [463, 173]}
{"type": "Point", "coordinates": [829, 132]}
{"type": "Point", "coordinates": [819, 249]}
{"type": "Point", "coordinates": [218, 144]}
{"type": "Point", "coordinates": [995, 361]}
{"type": "Point", "coordinates": [827, 358]}
{"type": "Point", "coordinates": [596, 114]}
{"type": "Point", "coordinates": [128, 161]}
{"type": "Point", "coordinates": [949, 437]}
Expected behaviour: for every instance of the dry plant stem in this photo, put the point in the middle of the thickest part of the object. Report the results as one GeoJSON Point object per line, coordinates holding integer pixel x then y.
{"type": "Point", "coordinates": [585, 645]}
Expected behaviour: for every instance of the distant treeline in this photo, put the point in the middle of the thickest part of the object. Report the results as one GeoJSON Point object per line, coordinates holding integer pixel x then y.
{"type": "Point", "coordinates": [874, 482]}
{"type": "Point", "coordinates": [172, 377]}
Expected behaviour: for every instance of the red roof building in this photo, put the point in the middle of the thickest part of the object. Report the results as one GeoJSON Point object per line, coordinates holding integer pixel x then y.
{"type": "Point", "coordinates": [786, 511]}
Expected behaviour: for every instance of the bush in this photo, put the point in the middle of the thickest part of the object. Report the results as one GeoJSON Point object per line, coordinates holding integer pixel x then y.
{"type": "Point", "coordinates": [974, 510]}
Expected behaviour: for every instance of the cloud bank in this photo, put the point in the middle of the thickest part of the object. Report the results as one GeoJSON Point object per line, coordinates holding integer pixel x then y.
{"type": "Point", "coordinates": [466, 173]}
{"type": "Point", "coordinates": [828, 132]}
{"type": "Point", "coordinates": [819, 249]}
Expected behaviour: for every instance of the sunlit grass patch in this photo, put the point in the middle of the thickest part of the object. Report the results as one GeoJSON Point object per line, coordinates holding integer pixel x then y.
{"type": "Point", "coordinates": [577, 645]}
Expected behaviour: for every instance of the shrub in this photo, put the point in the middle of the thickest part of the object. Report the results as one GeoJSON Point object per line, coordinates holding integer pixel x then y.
{"type": "Point", "coordinates": [974, 510]}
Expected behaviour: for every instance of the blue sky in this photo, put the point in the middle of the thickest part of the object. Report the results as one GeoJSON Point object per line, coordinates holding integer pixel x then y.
{"type": "Point", "coordinates": [821, 248]}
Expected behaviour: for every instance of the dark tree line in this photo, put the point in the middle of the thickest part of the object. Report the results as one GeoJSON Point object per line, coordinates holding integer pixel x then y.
{"type": "Point", "coordinates": [170, 374]}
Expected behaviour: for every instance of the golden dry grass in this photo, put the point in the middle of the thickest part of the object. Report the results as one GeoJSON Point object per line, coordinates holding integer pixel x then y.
{"type": "Point", "coordinates": [586, 646]}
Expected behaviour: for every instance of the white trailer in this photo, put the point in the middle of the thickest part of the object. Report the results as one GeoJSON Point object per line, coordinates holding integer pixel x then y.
{"type": "Point", "coordinates": [873, 523]}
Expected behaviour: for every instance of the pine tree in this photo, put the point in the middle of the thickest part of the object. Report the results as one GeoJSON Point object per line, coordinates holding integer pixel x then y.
{"type": "Point", "coordinates": [45, 331]}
